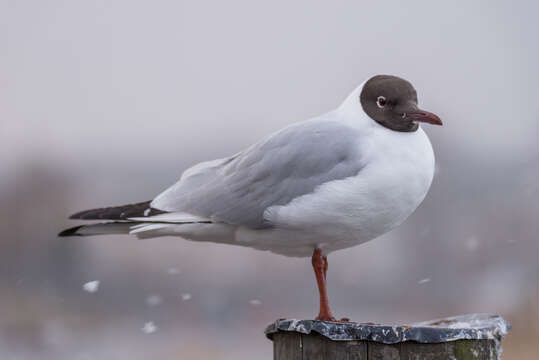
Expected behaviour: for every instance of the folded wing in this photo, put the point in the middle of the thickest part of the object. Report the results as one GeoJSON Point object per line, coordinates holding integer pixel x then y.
{"type": "Point", "coordinates": [290, 163]}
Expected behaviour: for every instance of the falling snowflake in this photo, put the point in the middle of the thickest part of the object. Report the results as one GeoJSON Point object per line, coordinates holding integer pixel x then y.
{"type": "Point", "coordinates": [186, 296]}
{"type": "Point", "coordinates": [423, 281]}
{"type": "Point", "coordinates": [91, 286]}
{"type": "Point", "coordinates": [472, 243]}
{"type": "Point", "coordinates": [255, 302]}
{"type": "Point", "coordinates": [154, 300]}
{"type": "Point", "coordinates": [149, 328]}
{"type": "Point", "coordinates": [173, 271]}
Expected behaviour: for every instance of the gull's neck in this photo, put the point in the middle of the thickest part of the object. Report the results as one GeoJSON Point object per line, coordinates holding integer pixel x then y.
{"type": "Point", "coordinates": [351, 112]}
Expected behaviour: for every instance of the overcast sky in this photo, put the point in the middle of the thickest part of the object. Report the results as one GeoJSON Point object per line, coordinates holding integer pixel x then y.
{"type": "Point", "coordinates": [176, 82]}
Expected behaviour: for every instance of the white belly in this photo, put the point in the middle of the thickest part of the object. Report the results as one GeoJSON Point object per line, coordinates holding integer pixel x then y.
{"type": "Point", "coordinates": [348, 212]}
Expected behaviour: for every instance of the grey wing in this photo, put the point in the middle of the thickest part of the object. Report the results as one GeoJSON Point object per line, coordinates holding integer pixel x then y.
{"type": "Point", "coordinates": [286, 165]}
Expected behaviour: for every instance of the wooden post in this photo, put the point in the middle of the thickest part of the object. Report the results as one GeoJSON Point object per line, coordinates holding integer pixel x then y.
{"type": "Point", "coordinates": [475, 336]}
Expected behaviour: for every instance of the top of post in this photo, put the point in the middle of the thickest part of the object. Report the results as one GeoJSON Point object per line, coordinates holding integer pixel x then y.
{"type": "Point", "coordinates": [471, 327]}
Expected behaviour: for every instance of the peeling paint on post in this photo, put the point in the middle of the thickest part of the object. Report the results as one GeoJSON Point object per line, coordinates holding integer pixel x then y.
{"type": "Point", "coordinates": [467, 337]}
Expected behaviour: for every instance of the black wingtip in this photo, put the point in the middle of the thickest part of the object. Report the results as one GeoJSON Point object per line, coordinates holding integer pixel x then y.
{"type": "Point", "coordinates": [122, 212]}
{"type": "Point", "coordinates": [93, 214]}
{"type": "Point", "coordinates": [78, 216]}
{"type": "Point", "coordinates": [70, 232]}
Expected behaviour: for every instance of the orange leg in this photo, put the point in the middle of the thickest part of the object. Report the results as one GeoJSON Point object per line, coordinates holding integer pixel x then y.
{"type": "Point", "coordinates": [325, 258]}
{"type": "Point", "coordinates": [320, 266]}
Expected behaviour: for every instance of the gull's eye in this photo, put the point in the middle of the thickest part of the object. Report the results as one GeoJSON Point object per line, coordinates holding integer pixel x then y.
{"type": "Point", "coordinates": [381, 101]}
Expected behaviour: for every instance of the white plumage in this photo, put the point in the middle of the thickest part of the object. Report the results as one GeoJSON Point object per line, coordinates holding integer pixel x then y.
{"type": "Point", "coordinates": [395, 171]}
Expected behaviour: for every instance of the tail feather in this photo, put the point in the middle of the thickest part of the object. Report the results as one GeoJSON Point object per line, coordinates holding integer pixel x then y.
{"type": "Point", "coordinates": [139, 219]}
{"type": "Point", "coordinates": [122, 212]}
{"type": "Point", "coordinates": [136, 225]}
{"type": "Point", "coordinates": [71, 231]}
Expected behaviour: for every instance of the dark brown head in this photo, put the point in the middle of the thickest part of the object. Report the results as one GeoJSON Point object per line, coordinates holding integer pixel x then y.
{"type": "Point", "coordinates": [392, 102]}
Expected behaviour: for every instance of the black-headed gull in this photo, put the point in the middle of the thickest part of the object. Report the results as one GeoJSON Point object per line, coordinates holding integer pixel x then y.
{"type": "Point", "coordinates": [328, 183]}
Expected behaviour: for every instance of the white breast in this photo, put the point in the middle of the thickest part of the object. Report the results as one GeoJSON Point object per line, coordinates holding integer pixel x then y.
{"type": "Point", "coordinates": [344, 213]}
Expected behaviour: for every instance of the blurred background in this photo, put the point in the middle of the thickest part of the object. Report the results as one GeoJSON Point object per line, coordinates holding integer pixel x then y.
{"type": "Point", "coordinates": [107, 102]}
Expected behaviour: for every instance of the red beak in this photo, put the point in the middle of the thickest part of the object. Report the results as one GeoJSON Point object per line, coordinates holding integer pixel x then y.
{"type": "Point", "coordinates": [424, 116]}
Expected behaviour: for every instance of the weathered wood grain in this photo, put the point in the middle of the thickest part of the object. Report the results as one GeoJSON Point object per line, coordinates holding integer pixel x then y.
{"type": "Point", "coordinates": [378, 351]}
{"type": "Point", "coordinates": [287, 346]}
{"type": "Point", "coordinates": [296, 346]}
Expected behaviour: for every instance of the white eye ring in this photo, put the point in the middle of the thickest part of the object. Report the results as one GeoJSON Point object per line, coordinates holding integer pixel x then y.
{"type": "Point", "coordinates": [381, 102]}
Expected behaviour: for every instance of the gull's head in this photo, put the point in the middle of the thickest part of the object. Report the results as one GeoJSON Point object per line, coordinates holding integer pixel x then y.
{"type": "Point", "coordinates": [392, 102]}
